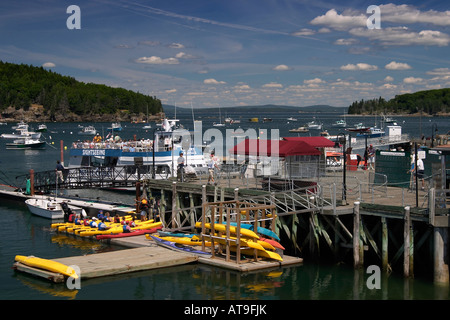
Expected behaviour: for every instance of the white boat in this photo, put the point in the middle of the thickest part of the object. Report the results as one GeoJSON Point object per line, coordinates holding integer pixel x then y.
{"type": "Point", "coordinates": [373, 132]}
{"type": "Point", "coordinates": [26, 143]}
{"type": "Point", "coordinates": [340, 123]}
{"type": "Point", "coordinates": [21, 131]}
{"type": "Point", "coordinates": [291, 119]}
{"type": "Point", "coordinates": [115, 126]}
{"type": "Point", "coordinates": [146, 127]}
{"type": "Point", "coordinates": [49, 208]}
{"type": "Point", "coordinates": [167, 145]}
{"type": "Point", "coordinates": [89, 130]}
{"type": "Point", "coordinates": [215, 124]}
{"type": "Point", "coordinates": [42, 128]}
{"type": "Point", "coordinates": [314, 125]}
{"type": "Point", "coordinates": [300, 129]}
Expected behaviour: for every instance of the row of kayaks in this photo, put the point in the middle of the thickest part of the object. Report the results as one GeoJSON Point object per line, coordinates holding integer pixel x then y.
{"type": "Point", "coordinates": [114, 229]}
{"type": "Point", "coordinates": [250, 242]}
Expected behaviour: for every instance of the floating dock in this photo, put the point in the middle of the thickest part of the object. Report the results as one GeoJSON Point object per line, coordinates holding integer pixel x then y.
{"type": "Point", "coordinates": [142, 255]}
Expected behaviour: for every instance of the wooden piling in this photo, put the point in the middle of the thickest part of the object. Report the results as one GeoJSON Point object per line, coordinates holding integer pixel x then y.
{"type": "Point", "coordinates": [356, 236]}
{"type": "Point", "coordinates": [174, 204]}
{"type": "Point", "coordinates": [406, 243]}
{"type": "Point", "coordinates": [31, 182]}
{"type": "Point", "coordinates": [384, 244]}
{"type": "Point", "coordinates": [440, 256]}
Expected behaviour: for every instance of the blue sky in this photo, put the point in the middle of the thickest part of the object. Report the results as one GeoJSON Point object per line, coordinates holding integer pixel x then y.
{"type": "Point", "coordinates": [231, 53]}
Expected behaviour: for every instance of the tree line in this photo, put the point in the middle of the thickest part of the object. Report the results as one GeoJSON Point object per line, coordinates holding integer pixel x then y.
{"type": "Point", "coordinates": [22, 85]}
{"type": "Point", "coordinates": [429, 102]}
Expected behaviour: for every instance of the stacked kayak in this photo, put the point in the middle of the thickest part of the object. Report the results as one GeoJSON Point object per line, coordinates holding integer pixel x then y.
{"type": "Point", "coordinates": [128, 234]}
{"type": "Point", "coordinates": [249, 241]}
{"type": "Point", "coordinates": [48, 265]}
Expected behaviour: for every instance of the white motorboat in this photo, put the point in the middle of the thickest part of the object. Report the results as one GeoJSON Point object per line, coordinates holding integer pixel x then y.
{"type": "Point", "coordinates": [89, 130]}
{"type": "Point", "coordinates": [291, 119]}
{"type": "Point", "coordinates": [42, 128]}
{"type": "Point", "coordinates": [115, 126]}
{"type": "Point", "coordinates": [21, 131]}
{"type": "Point", "coordinates": [314, 125]}
{"type": "Point", "coordinates": [49, 208]}
{"type": "Point", "coordinates": [26, 143]}
{"type": "Point", "coordinates": [340, 123]}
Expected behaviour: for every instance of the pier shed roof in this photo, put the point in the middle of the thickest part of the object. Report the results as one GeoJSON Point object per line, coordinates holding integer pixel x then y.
{"type": "Point", "coordinates": [317, 142]}
{"type": "Point", "coordinates": [257, 147]}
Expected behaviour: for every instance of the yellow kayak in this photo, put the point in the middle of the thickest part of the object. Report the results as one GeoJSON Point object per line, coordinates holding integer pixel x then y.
{"type": "Point", "coordinates": [48, 265]}
{"type": "Point", "coordinates": [265, 254]}
{"type": "Point", "coordinates": [223, 228]}
{"type": "Point", "coordinates": [119, 229]}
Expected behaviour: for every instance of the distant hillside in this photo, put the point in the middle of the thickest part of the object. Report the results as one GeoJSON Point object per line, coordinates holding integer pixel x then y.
{"type": "Point", "coordinates": [63, 98]}
{"type": "Point", "coordinates": [269, 108]}
{"type": "Point", "coordinates": [430, 102]}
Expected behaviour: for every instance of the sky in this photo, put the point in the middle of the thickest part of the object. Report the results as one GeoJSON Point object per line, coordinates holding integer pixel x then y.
{"type": "Point", "coordinates": [236, 53]}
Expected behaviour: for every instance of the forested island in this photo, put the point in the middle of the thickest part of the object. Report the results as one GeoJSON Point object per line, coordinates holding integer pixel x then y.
{"type": "Point", "coordinates": [42, 95]}
{"type": "Point", "coordinates": [431, 102]}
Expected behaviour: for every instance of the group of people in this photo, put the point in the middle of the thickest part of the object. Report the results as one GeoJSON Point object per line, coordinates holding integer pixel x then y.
{"type": "Point", "coordinates": [149, 209]}
{"type": "Point", "coordinates": [212, 166]}
{"type": "Point", "coordinates": [369, 158]}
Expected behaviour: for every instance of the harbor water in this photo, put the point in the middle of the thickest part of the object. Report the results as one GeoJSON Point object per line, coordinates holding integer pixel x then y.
{"type": "Point", "coordinates": [25, 234]}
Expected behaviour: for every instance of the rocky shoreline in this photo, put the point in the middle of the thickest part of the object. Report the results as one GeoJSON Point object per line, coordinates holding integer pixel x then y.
{"type": "Point", "coordinates": [36, 113]}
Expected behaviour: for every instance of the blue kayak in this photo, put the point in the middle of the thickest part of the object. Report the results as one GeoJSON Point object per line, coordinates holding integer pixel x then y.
{"type": "Point", "coordinates": [261, 230]}
{"type": "Point", "coordinates": [180, 247]}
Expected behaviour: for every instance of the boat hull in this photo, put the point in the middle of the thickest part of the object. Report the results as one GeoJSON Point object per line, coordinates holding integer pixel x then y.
{"type": "Point", "coordinates": [45, 208]}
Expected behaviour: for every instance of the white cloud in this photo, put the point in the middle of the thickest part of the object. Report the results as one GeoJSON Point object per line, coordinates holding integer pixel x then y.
{"type": "Point", "coordinates": [282, 67]}
{"type": "Point", "coordinates": [157, 60]}
{"type": "Point", "coordinates": [170, 91]}
{"type": "Point", "coordinates": [213, 81]}
{"type": "Point", "coordinates": [439, 72]}
{"type": "Point", "coordinates": [314, 81]}
{"type": "Point", "coordinates": [183, 55]}
{"type": "Point", "coordinates": [340, 21]}
{"type": "Point", "coordinates": [175, 45]}
{"type": "Point", "coordinates": [397, 66]}
{"type": "Point", "coordinates": [408, 14]}
{"type": "Point", "coordinates": [388, 79]}
{"type": "Point", "coordinates": [304, 32]}
{"type": "Point", "coordinates": [402, 36]}
{"type": "Point", "coordinates": [359, 67]}
{"type": "Point", "coordinates": [49, 65]}
{"type": "Point", "coordinates": [273, 85]}
{"type": "Point", "coordinates": [412, 80]}
{"type": "Point", "coordinates": [345, 42]}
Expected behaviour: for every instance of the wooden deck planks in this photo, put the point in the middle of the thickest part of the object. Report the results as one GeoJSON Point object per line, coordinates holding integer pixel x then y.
{"type": "Point", "coordinates": [124, 261]}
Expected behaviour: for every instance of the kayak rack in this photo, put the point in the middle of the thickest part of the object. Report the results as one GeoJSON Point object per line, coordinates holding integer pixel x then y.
{"type": "Point", "coordinates": [224, 213]}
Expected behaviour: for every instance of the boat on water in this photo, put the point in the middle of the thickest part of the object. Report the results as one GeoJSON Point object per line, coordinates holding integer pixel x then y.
{"type": "Point", "coordinates": [340, 123]}
{"type": "Point", "coordinates": [253, 120]}
{"type": "Point", "coordinates": [267, 120]}
{"type": "Point", "coordinates": [299, 129]}
{"type": "Point", "coordinates": [42, 128]}
{"type": "Point", "coordinates": [21, 131]}
{"type": "Point", "coordinates": [89, 130]}
{"type": "Point", "coordinates": [291, 119]}
{"type": "Point", "coordinates": [26, 143]}
{"type": "Point", "coordinates": [51, 208]}
{"type": "Point", "coordinates": [314, 125]}
{"type": "Point", "coordinates": [115, 126]}
{"type": "Point", "coordinates": [373, 132]}
{"type": "Point", "coordinates": [160, 153]}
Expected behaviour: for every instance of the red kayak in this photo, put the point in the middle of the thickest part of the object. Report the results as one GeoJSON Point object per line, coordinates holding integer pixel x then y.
{"type": "Point", "coordinates": [127, 234]}
{"type": "Point", "coordinates": [274, 243]}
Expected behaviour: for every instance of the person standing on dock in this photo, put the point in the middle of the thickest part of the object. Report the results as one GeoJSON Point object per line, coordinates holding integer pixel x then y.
{"type": "Point", "coordinates": [59, 170]}
{"type": "Point", "coordinates": [180, 163]}
{"type": "Point", "coordinates": [371, 159]}
{"type": "Point", "coordinates": [211, 166]}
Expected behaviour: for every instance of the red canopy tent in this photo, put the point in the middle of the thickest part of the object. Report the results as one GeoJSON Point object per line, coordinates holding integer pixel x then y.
{"type": "Point", "coordinates": [281, 148]}
{"type": "Point", "coordinates": [317, 142]}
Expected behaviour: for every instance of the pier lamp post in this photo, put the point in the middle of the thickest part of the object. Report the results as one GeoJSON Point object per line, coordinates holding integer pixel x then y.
{"type": "Point", "coordinates": [433, 130]}
{"type": "Point", "coordinates": [344, 172]}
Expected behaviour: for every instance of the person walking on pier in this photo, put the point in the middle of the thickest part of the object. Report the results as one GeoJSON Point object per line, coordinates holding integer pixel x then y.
{"type": "Point", "coordinates": [371, 157]}
{"type": "Point", "coordinates": [59, 170]}
{"type": "Point", "coordinates": [211, 166]}
{"type": "Point", "coordinates": [180, 173]}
